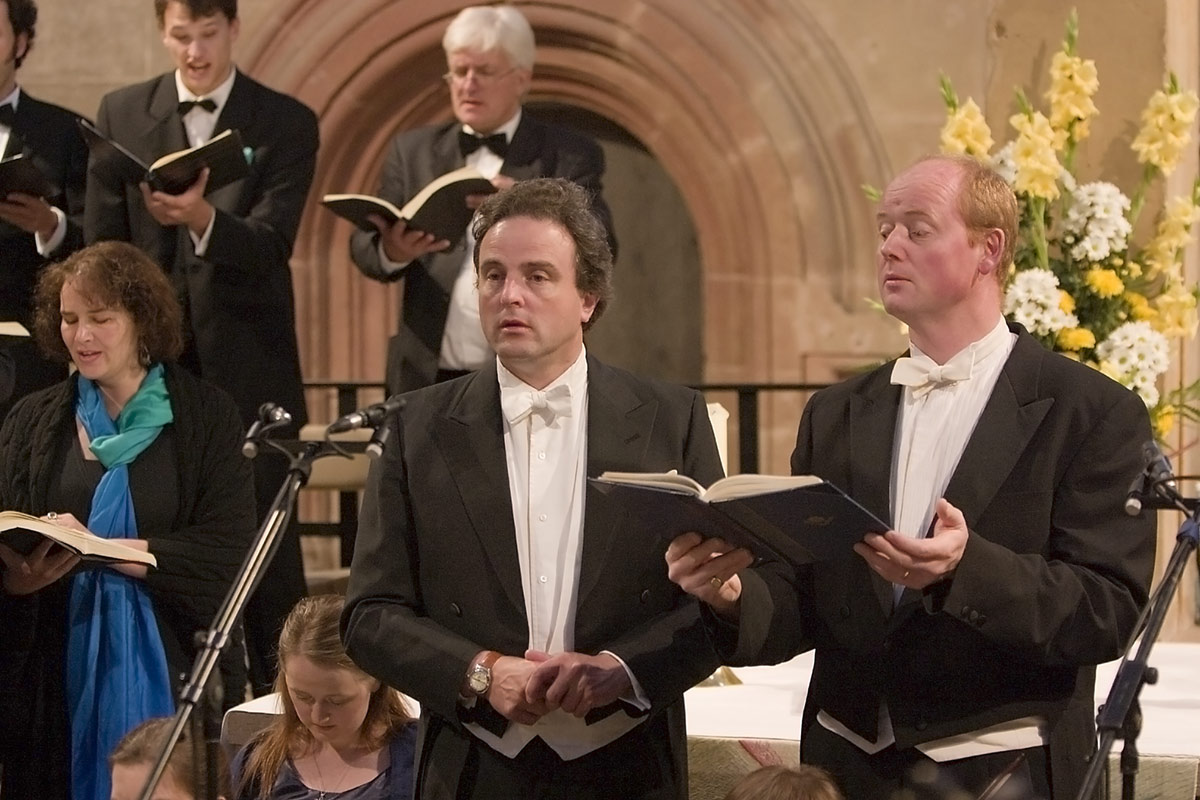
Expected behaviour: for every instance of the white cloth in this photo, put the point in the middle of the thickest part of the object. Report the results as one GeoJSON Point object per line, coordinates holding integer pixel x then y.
{"type": "Point", "coordinates": [940, 408]}
{"type": "Point", "coordinates": [463, 343]}
{"type": "Point", "coordinates": [546, 452]}
{"type": "Point", "coordinates": [11, 100]}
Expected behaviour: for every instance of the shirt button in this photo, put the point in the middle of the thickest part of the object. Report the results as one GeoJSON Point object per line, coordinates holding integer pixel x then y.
{"type": "Point", "coordinates": [542, 517]}
{"type": "Point", "coordinates": [541, 456]}
{"type": "Point", "coordinates": [543, 579]}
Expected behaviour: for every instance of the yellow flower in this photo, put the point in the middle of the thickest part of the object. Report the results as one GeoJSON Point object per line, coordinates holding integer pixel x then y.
{"type": "Point", "coordinates": [1104, 282]}
{"type": "Point", "coordinates": [1164, 421]}
{"type": "Point", "coordinates": [1034, 155]}
{"type": "Point", "coordinates": [966, 131]}
{"type": "Point", "coordinates": [1066, 302]}
{"type": "Point", "coordinates": [1173, 234]}
{"type": "Point", "coordinates": [1140, 307]}
{"type": "Point", "coordinates": [1073, 81]}
{"type": "Point", "coordinates": [1177, 315]}
{"type": "Point", "coordinates": [1166, 127]}
{"type": "Point", "coordinates": [1075, 339]}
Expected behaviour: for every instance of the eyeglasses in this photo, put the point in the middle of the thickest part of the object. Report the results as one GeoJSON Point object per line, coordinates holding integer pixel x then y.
{"type": "Point", "coordinates": [484, 76]}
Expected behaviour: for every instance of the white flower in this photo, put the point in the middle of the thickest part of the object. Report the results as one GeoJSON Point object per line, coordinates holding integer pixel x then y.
{"type": "Point", "coordinates": [1004, 163]}
{"type": "Point", "coordinates": [1033, 300]}
{"type": "Point", "coordinates": [1097, 220]}
{"type": "Point", "coordinates": [1136, 355]}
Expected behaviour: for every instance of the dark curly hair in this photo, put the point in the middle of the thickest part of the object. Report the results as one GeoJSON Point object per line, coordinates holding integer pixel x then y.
{"type": "Point", "coordinates": [569, 205]}
{"type": "Point", "coordinates": [116, 275]}
{"type": "Point", "coordinates": [22, 15]}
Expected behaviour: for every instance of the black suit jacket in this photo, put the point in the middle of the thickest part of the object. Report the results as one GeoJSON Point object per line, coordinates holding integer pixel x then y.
{"type": "Point", "coordinates": [49, 135]}
{"type": "Point", "coordinates": [436, 576]}
{"type": "Point", "coordinates": [1051, 582]}
{"type": "Point", "coordinates": [416, 157]}
{"type": "Point", "coordinates": [238, 298]}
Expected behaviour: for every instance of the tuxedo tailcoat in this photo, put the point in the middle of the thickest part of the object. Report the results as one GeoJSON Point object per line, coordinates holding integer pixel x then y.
{"type": "Point", "coordinates": [238, 297]}
{"type": "Point", "coordinates": [1051, 582]}
{"type": "Point", "coordinates": [436, 575]}
{"type": "Point", "coordinates": [416, 157]}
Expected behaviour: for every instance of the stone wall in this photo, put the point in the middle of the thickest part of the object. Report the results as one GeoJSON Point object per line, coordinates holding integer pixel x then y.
{"type": "Point", "coordinates": [762, 119]}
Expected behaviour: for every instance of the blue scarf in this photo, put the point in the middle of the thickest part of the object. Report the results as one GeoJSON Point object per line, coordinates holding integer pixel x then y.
{"type": "Point", "coordinates": [116, 668]}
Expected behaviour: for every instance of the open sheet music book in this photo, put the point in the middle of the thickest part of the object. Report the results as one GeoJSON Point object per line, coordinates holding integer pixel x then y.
{"type": "Point", "coordinates": [24, 533]}
{"type": "Point", "coordinates": [223, 155]}
{"type": "Point", "coordinates": [799, 519]}
{"type": "Point", "coordinates": [440, 208]}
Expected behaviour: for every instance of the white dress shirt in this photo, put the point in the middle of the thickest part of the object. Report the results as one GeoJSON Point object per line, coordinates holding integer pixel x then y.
{"type": "Point", "coordinates": [547, 472]}
{"type": "Point", "coordinates": [934, 423]}
{"type": "Point", "coordinates": [463, 342]}
{"type": "Point", "coordinates": [200, 125]}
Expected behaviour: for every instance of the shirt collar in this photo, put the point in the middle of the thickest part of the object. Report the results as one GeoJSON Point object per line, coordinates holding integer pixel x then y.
{"type": "Point", "coordinates": [218, 95]}
{"type": "Point", "coordinates": [508, 129]}
{"type": "Point", "coordinates": [976, 352]}
{"type": "Point", "coordinates": [575, 377]}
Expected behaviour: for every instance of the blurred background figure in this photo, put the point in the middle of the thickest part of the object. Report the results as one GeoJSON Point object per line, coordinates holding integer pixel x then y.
{"type": "Point", "coordinates": [341, 731]}
{"type": "Point", "coordinates": [130, 448]}
{"type": "Point", "coordinates": [138, 752]}
{"type": "Point", "coordinates": [786, 783]}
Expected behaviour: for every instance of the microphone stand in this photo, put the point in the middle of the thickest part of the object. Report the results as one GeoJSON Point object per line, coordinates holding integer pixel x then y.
{"type": "Point", "coordinates": [217, 637]}
{"type": "Point", "coordinates": [1121, 715]}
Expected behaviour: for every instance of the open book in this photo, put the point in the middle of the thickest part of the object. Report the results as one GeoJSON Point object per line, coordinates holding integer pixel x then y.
{"type": "Point", "coordinates": [24, 533]}
{"type": "Point", "coordinates": [798, 519]}
{"type": "Point", "coordinates": [440, 208]}
{"type": "Point", "coordinates": [173, 173]}
{"type": "Point", "coordinates": [19, 175]}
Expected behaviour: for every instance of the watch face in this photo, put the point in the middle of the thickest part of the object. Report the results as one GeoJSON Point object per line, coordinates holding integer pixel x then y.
{"type": "Point", "coordinates": [480, 680]}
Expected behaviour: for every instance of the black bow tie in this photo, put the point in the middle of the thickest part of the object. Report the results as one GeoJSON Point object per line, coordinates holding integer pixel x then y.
{"type": "Point", "coordinates": [8, 114]}
{"type": "Point", "coordinates": [208, 104]}
{"type": "Point", "coordinates": [469, 143]}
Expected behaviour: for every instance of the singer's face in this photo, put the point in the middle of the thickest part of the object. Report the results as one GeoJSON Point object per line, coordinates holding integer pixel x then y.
{"type": "Point", "coordinates": [102, 341]}
{"type": "Point", "coordinates": [11, 46]}
{"type": "Point", "coordinates": [531, 310]}
{"type": "Point", "coordinates": [485, 88]}
{"type": "Point", "coordinates": [330, 702]}
{"type": "Point", "coordinates": [202, 48]}
{"type": "Point", "coordinates": [128, 780]}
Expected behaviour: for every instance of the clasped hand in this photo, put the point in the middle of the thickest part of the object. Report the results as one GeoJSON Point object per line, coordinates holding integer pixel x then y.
{"type": "Point", "coordinates": [525, 689]}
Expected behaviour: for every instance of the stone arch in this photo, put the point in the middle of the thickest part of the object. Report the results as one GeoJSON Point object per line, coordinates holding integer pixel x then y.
{"type": "Point", "coordinates": [759, 124]}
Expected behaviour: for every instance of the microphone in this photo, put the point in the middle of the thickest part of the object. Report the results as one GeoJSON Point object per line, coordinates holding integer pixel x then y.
{"type": "Point", "coordinates": [370, 417]}
{"type": "Point", "coordinates": [378, 440]}
{"type": "Point", "coordinates": [1158, 468]}
{"type": "Point", "coordinates": [270, 415]}
{"type": "Point", "coordinates": [1133, 498]}
{"type": "Point", "coordinates": [1156, 475]}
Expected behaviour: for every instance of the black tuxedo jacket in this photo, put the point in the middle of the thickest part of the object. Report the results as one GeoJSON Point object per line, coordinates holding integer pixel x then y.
{"type": "Point", "coordinates": [416, 157]}
{"type": "Point", "coordinates": [1051, 582]}
{"type": "Point", "coordinates": [49, 135]}
{"type": "Point", "coordinates": [436, 576]}
{"type": "Point", "coordinates": [238, 298]}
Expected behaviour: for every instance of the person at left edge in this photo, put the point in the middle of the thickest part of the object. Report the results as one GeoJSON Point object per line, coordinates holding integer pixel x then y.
{"type": "Point", "coordinates": [33, 230]}
{"type": "Point", "coordinates": [132, 448]}
{"type": "Point", "coordinates": [227, 252]}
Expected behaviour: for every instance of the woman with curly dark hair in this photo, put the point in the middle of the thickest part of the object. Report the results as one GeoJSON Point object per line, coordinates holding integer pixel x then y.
{"type": "Point", "coordinates": [130, 448]}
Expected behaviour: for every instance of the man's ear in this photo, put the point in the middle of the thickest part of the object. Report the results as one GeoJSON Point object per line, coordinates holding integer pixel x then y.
{"type": "Point", "coordinates": [20, 47]}
{"type": "Point", "coordinates": [993, 251]}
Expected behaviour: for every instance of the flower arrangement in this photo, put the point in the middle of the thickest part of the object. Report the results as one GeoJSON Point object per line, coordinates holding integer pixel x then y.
{"type": "Point", "coordinates": [1079, 283]}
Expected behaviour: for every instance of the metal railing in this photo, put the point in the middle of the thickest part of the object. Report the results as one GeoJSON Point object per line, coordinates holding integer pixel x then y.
{"type": "Point", "coordinates": [748, 408]}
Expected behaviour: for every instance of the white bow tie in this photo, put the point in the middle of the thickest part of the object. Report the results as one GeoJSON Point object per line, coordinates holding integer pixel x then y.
{"type": "Point", "coordinates": [923, 375]}
{"type": "Point", "coordinates": [518, 403]}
